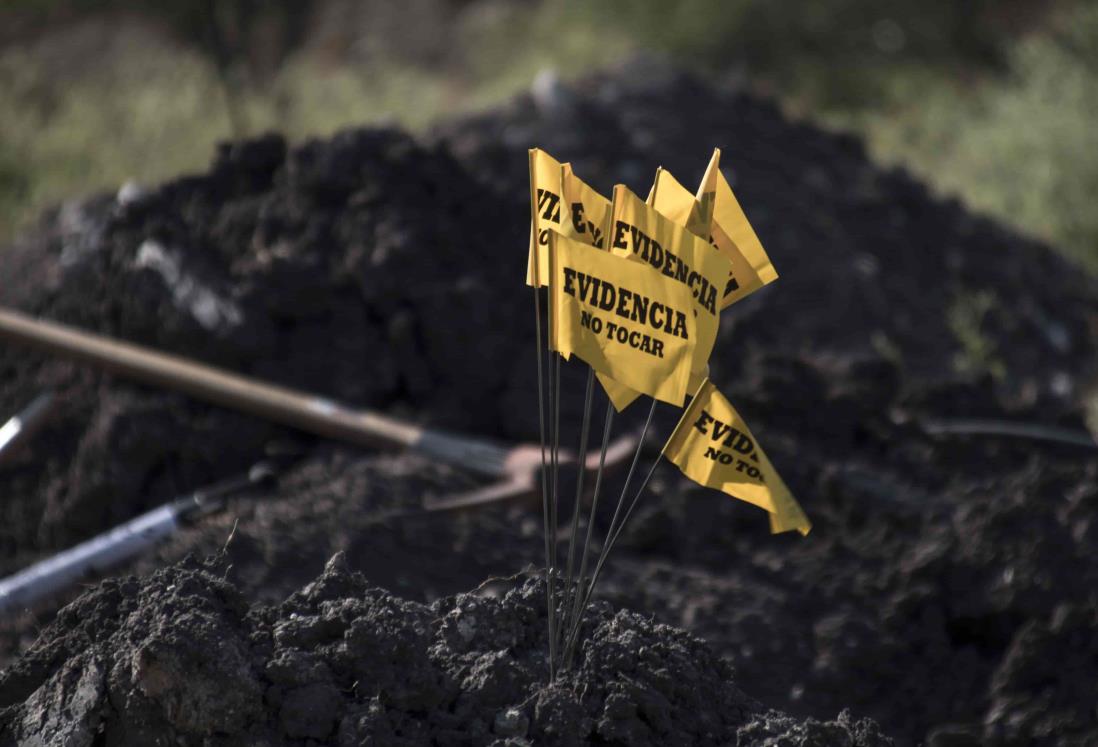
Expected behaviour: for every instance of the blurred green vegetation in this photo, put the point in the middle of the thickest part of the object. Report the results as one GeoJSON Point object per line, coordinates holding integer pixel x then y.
{"type": "Point", "coordinates": [838, 53]}
{"type": "Point", "coordinates": [1022, 146]}
{"type": "Point", "coordinates": [965, 316]}
{"type": "Point", "coordinates": [989, 100]}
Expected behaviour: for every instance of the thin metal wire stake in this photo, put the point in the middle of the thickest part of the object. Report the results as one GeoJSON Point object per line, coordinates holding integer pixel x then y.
{"type": "Point", "coordinates": [582, 465]}
{"type": "Point", "coordinates": [629, 512]}
{"type": "Point", "coordinates": [629, 477]}
{"type": "Point", "coordinates": [576, 609]}
{"type": "Point", "coordinates": [570, 643]}
{"type": "Point", "coordinates": [621, 503]}
{"type": "Point", "coordinates": [549, 581]}
{"type": "Point", "coordinates": [554, 506]}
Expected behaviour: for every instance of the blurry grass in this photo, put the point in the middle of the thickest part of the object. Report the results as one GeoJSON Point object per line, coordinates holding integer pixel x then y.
{"type": "Point", "coordinates": [933, 85]}
{"type": "Point", "coordinates": [148, 109]}
{"type": "Point", "coordinates": [315, 100]}
{"type": "Point", "coordinates": [965, 316]}
{"type": "Point", "coordinates": [149, 112]}
{"type": "Point", "coordinates": [503, 46]}
{"type": "Point", "coordinates": [511, 42]}
{"type": "Point", "coordinates": [839, 53]}
{"type": "Point", "coordinates": [1023, 148]}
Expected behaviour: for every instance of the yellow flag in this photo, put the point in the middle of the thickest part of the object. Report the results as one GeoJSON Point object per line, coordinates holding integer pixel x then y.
{"type": "Point", "coordinates": [733, 235]}
{"type": "Point", "coordinates": [585, 214]}
{"type": "Point", "coordinates": [640, 233]}
{"type": "Point", "coordinates": [545, 212]}
{"type": "Point", "coordinates": [625, 319]}
{"type": "Point", "coordinates": [714, 447]}
{"type": "Point", "coordinates": [560, 201]}
{"type": "Point", "coordinates": [620, 395]}
{"type": "Point", "coordinates": [676, 202]}
{"type": "Point", "coordinates": [673, 201]}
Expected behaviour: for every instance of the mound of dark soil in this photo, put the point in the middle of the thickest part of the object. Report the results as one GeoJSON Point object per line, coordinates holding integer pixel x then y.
{"type": "Point", "coordinates": [943, 575]}
{"type": "Point", "coordinates": [182, 658]}
{"type": "Point", "coordinates": [296, 267]}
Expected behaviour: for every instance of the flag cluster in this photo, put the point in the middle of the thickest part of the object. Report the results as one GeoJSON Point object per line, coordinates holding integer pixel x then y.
{"type": "Point", "coordinates": [636, 288]}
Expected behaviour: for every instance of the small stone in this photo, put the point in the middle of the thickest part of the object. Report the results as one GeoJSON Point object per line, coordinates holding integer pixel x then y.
{"type": "Point", "coordinates": [467, 628]}
{"type": "Point", "coordinates": [130, 192]}
{"type": "Point", "coordinates": [550, 95]}
{"type": "Point", "coordinates": [511, 723]}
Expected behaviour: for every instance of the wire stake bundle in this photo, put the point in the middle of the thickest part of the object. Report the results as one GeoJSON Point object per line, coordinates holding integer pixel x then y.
{"type": "Point", "coordinates": [634, 290]}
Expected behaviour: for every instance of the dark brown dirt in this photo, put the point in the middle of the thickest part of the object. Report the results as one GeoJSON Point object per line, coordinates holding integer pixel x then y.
{"type": "Point", "coordinates": [947, 588]}
{"type": "Point", "coordinates": [181, 658]}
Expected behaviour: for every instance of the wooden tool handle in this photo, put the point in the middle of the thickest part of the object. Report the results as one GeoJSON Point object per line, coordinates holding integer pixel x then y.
{"type": "Point", "coordinates": [296, 409]}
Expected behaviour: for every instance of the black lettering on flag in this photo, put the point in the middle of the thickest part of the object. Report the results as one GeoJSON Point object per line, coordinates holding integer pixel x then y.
{"type": "Point", "coordinates": [548, 205]}
{"type": "Point", "coordinates": [620, 229]}
{"type": "Point", "coordinates": [625, 303]}
{"type": "Point", "coordinates": [717, 456]}
{"type": "Point", "coordinates": [569, 276]}
{"type": "Point", "coordinates": [578, 223]}
{"type": "Point", "coordinates": [585, 282]}
{"type": "Point", "coordinates": [667, 262]}
{"type": "Point", "coordinates": [729, 436]}
{"type": "Point", "coordinates": [703, 421]}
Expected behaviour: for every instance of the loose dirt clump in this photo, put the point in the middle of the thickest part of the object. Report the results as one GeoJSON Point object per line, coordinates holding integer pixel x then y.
{"type": "Point", "coordinates": [181, 657]}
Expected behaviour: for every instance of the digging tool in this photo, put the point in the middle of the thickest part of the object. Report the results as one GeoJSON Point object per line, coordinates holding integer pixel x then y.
{"type": "Point", "coordinates": [515, 467]}
{"type": "Point", "coordinates": [99, 554]}
{"type": "Point", "coordinates": [22, 426]}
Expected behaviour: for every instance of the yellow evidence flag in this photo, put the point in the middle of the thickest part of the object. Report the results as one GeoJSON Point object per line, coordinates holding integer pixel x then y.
{"type": "Point", "coordinates": [625, 319]}
{"type": "Point", "coordinates": [676, 202]}
{"type": "Point", "coordinates": [713, 446]}
{"type": "Point", "coordinates": [733, 235]}
{"type": "Point", "coordinates": [560, 201]}
{"type": "Point", "coordinates": [585, 214]}
{"type": "Point", "coordinates": [639, 232]}
{"type": "Point", "coordinates": [544, 213]}
{"type": "Point", "coordinates": [620, 395]}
